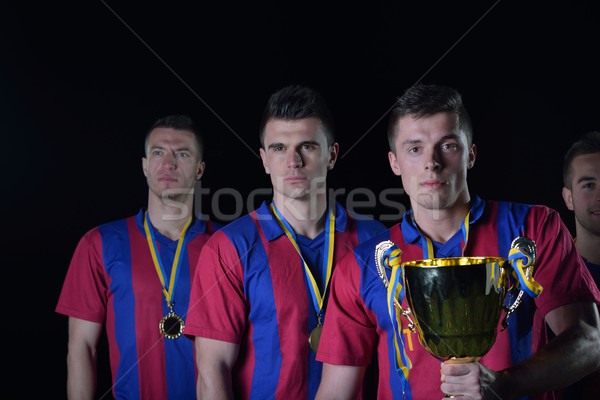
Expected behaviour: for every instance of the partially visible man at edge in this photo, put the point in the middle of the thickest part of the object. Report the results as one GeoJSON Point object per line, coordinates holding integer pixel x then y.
{"type": "Point", "coordinates": [581, 193]}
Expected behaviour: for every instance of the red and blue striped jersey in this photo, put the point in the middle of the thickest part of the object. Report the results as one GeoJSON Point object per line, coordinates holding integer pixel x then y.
{"type": "Point", "coordinates": [250, 289]}
{"type": "Point", "coordinates": [112, 279]}
{"type": "Point", "coordinates": [358, 320]}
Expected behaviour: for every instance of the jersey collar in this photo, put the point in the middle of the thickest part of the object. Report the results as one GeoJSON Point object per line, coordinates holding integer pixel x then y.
{"type": "Point", "coordinates": [412, 235]}
{"type": "Point", "coordinates": [273, 230]}
{"type": "Point", "coordinates": [198, 226]}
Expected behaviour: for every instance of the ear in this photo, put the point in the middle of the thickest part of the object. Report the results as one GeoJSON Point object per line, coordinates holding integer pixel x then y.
{"type": "Point", "coordinates": [200, 170]}
{"type": "Point", "coordinates": [263, 156]}
{"type": "Point", "coordinates": [568, 197]}
{"type": "Point", "coordinates": [334, 151]}
{"type": "Point", "coordinates": [472, 156]}
{"type": "Point", "coordinates": [394, 163]}
{"type": "Point", "coordinates": [145, 166]}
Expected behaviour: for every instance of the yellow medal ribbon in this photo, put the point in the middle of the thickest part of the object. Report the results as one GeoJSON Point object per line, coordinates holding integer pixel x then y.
{"type": "Point", "coordinates": [318, 298]}
{"type": "Point", "coordinates": [427, 245]}
{"type": "Point", "coordinates": [169, 293]}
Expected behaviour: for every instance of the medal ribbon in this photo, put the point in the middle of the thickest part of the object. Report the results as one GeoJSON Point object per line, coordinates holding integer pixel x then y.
{"type": "Point", "coordinates": [522, 263]}
{"type": "Point", "coordinates": [427, 245]}
{"type": "Point", "coordinates": [327, 266]}
{"type": "Point", "coordinates": [169, 293]}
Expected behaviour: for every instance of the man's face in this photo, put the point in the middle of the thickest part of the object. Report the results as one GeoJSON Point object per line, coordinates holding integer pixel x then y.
{"type": "Point", "coordinates": [584, 196]}
{"type": "Point", "coordinates": [296, 156]}
{"type": "Point", "coordinates": [171, 165]}
{"type": "Point", "coordinates": [432, 156]}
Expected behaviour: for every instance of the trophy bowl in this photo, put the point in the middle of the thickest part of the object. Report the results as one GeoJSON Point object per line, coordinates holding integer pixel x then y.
{"type": "Point", "coordinates": [456, 303]}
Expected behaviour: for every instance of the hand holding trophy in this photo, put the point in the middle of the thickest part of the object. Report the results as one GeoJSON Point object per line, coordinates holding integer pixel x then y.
{"type": "Point", "coordinates": [456, 302]}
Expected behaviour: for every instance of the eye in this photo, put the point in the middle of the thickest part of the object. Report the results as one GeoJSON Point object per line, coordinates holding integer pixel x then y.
{"type": "Point", "coordinates": [157, 153]}
{"type": "Point", "coordinates": [278, 148]}
{"type": "Point", "coordinates": [588, 185]}
{"type": "Point", "coordinates": [414, 149]}
{"type": "Point", "coordinates": [449, 146]}
{"type": "Point", "coordinates": [183, 155]}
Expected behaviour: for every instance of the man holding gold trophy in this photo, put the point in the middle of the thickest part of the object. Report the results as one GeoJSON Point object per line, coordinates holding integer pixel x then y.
{"type": "Point", "coordinates": [464, 282]}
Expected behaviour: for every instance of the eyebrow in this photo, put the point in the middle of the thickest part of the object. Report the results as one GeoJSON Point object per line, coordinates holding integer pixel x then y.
{"type": "Point", "coordinates": [446, 137]}
{"type": "Point", "coordinates": [586, 178]}
{"type": "Point", "coordinates": [157, 146]}
{"type": "Point", "coordinates": [312, 142]}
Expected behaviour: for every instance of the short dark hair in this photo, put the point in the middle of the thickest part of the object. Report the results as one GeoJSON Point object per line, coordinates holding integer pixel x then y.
{"type": "Point", "coordinates": [181, 123]}
{"type": "Point", "coordinates": [428, 99]}
{"type": "Point", "coordinates": [588, 143]}
{"type": "Point", "coordinates": [298, 102]}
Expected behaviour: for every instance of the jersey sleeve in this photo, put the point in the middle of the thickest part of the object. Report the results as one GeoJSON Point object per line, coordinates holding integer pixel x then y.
{"type": "Point", "coordinates": [218, 306]}
{"type": "Point", "coordinates": [559, 269]}
{"type": "Point", "coordinates": [348, 333]}
{"type": "Point", "coordinates": [367, 228]}
{"type": "Point", "coordinates": [84, 291]}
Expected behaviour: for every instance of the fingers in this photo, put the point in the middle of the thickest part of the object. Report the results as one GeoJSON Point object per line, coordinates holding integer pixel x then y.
{"type": "Point", "coordinates": [461, 380]}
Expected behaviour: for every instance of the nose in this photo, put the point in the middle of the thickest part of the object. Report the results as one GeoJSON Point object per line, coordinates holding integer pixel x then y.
{"type": "Point", "coordinates": [294, 159]}
{"type": "Point", "coordinates": [170, 161]}
{"type": "Point", "coordinates": [431, 161]}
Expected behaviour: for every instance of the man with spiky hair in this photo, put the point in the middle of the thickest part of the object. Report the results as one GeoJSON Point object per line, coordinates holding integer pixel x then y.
{"type": "Point", "coordinates": [259, 297]}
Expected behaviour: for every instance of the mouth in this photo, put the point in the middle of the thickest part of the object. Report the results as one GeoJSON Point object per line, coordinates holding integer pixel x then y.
{"type": "Point", "coordinates": [295, 178]}
{"type": "Point", "coordinates": [167, 178]}
{"type": "Point", "coordinates": [433, 184]}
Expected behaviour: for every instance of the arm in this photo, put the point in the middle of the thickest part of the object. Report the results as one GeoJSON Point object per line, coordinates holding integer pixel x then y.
{"type": "Point", "coordinates": [214, 359]}
{"type": "Point", "coordinates": [340, 382]}
{"type": "Point", "coordinates": [573, 354]}
{"type": "Point", "coordinates": [81, 358]}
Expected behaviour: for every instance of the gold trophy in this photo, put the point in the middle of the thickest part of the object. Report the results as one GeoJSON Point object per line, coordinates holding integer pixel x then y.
{"type": "Point", "coordinates": [456, 303]}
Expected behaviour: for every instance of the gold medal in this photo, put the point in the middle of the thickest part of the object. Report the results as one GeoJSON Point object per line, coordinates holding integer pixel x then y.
{"type": "Point", "coordinates": [171, 326]}
{"type": "Point", "coordinates": [313, 339]}
{"type": "Point", "coordinates": [315, 335]}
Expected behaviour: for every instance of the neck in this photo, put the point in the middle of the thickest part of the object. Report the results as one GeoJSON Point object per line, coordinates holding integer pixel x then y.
{"type": "Point", "coordinates": [170, 219]}
{"type": "Point", "coordinates": [441, 225]}
{"type": "Point", "coordinates": [307, 217]}
{"type": "Point", "coordinates": [587, 244]}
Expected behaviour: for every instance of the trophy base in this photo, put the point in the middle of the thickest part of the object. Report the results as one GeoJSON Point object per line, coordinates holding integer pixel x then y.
{"type": "Point", "coordinates": [462, 360]}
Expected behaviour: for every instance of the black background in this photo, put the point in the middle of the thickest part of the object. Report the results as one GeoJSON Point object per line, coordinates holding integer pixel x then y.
{"type": "Point", "coordinates": [80, 83]}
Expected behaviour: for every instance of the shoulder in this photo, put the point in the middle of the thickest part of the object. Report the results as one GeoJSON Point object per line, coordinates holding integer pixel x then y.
{"type": "Point", "coordinates": [100, 232]}
{"type": "Point", "coordinates": [241, 230]}
{"type": "Point", "coordinates": [365, 226]}
{"type": "Point", "coordinates": [365, 251]}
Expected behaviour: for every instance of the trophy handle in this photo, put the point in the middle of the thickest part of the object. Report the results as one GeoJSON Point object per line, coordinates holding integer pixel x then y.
{"type": "Point", "coordinates": [511, 309]}
{"type": "Point", "coordinates": [381, 267]}
{"type": "Point", "coordinates": [528, 245]}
